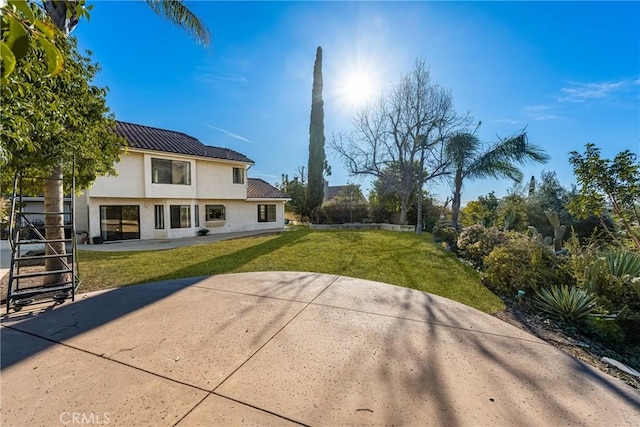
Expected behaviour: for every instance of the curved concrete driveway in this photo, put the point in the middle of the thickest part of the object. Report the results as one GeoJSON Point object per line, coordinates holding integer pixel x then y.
{"type": "Point", "coordinates": [282, 348]}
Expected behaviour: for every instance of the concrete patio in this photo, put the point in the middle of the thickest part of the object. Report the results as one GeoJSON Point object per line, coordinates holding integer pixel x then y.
{"type": "Point", "coordinates": [282, 348]}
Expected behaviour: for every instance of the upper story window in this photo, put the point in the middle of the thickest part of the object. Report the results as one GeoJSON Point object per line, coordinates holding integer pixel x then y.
{"type": "Point", "coordinates": [170, 172]}
{"type": "Point", "coordinates": [238, 175]}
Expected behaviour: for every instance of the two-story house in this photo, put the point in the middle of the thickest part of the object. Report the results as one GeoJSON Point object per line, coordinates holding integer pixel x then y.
{"type": "Point", "coordinates": [170, 185]}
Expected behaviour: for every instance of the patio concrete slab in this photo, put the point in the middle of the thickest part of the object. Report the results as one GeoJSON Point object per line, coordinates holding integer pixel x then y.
{"type": "Point", "coordinates": [64, 386]}
{"type": "Point", "coordinates": [293, 286]}
{"type": "Point", "coordinates": [367, 369]}
{"type": "Point", "coordinates": [220, 411]}
{"type": "Point", "coordinates": [396, 301]}
{"type": "Point", "coordinates": [198, 336]}
{"type": "Point", "coordinates": [254, 349]}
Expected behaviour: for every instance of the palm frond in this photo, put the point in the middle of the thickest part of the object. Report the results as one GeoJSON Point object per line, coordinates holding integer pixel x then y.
{"type": "Point", "coordinates": [502, 158]}
{"type": "Point", "coordinates": [461, 149]}
{"type": "Point", "coordinates": [180, 15]}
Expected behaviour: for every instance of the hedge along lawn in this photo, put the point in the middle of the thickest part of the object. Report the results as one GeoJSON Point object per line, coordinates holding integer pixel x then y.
{"type": "Point", "coordinates": [402, 259]}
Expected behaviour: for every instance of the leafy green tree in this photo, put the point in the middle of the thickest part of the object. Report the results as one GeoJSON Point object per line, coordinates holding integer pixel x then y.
{"type": "Point", "coordinates": [482, 211]}
{"type": "Point", "coordinates": [512, 213]}
{"type": "Point", "coordinates": [548, 195]}
{"type": "Point", "coordinates": [47, 122]}
{"type": "Point", "coordinates": [471, 160]}
{"type": "Point", "coordinates": [608, 185]}
{"type": "Point", "coordinates": [65, 15]}
{"type": "Point", "coordinates": [296, 189]}
{"type": "Point", "coordinates": [317, 158]}
{"type": "Point", "coordinates": [24, 24]}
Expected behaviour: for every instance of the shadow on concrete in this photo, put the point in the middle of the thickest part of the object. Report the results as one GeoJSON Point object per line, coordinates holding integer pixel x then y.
{"type": "Point", "coordinates": [69, 320]}
{"type": "Point", "coordinates": [57, 324]}
{"type": "Point", "coordinates": [499, 355]}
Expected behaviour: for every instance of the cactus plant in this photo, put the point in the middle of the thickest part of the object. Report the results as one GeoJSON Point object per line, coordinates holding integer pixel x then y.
{"type": "Point", "coordinates": [558, 230]}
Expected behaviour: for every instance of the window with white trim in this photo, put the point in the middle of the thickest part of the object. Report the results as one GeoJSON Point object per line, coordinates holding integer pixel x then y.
{"type": "Point", "coordinates": [266, 213]}
{"type": "Point", "coordinates": [215, 212]}
{"type": "Point", "coordinates": [165, 171]}
{"type": "Point", "coordinates": [159, 216]}
{"type": "Point", "coordinates": [180, 216]}
{"type": "Point", "coordinates": [238, 175]}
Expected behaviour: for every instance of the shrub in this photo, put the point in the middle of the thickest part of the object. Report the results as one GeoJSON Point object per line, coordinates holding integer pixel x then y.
{"type": "Point", "coordinates": [570, 304]}
{"type": "Point", "coordinates": [520, 264]}
{"type": "Point", "coordinates": [444, 232]}
{"type": "Point", "coordinates": [622, 262]}
{"type": "Point", "coordinates": [608, 274]}
{"type": "Point", "coordinates": [341, 213]}
{"type": "Point", "coordinates": [476, 242]}
{"type": "Point", "coordinates": [607, 330]}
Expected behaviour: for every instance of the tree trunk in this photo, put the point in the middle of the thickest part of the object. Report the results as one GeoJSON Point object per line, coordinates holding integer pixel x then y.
{"type": "Point", "coordinates": [419, 194]}
{"type": "Point", "coordinates": [54, 225]}
{"type": "Point", "coordinates": [456, 202]}
{"type": "Point", "coordinates": [419, 215]}
{"type": "Point", "coordinates": [404, 208]}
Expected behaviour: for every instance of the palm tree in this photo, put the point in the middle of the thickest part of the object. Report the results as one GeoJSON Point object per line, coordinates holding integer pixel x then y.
{"type": "Point", "coordinates": [499, 160]}
{"type": "Point", "coordinates": [174, 10]}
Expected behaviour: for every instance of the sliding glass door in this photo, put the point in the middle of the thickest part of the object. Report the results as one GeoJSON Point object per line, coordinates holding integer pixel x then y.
{"type": "Point", "coordinates": [119, 222]}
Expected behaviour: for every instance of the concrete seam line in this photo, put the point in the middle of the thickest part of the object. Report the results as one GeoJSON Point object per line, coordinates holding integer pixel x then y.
{"type": "Point", "coordinates": [444, 325]}
{"type": "Point", "coordinates": [273, 336]}
{"type": "Point", "coordinates": [101, 356]}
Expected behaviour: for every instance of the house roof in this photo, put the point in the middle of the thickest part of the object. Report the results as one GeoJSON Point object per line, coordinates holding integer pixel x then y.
{"type": "Point", "coordinates": [334, 190]}
{"type": "Point", "coordinates": [260, 189]}
{"type": "Point", "coordinates": [169, 141]}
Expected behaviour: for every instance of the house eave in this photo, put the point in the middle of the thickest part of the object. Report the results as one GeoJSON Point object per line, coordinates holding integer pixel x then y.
{"type": "Point", "coordinates": [182, 155]}
{"type": "Point", "coordinates": [266, 199]}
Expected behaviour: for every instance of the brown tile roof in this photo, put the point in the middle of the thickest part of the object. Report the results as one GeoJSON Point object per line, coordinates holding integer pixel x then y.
{"type": "Point", "coordinates": [260, 189]}
{"type": "Point", "coordinates": [334, 190]}
{"type": "Point", "coordinates": [168, 141]}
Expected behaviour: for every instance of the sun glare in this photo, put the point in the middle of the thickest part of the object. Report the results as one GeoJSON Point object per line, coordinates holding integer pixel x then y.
{"type": "Point", "coordinates": [357, 89]}
{"type": "Point", "coordinates": [356, 85]}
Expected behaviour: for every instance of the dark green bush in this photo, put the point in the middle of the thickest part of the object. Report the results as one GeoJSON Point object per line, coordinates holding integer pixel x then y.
{"type": "Point", "coordinates": [444, 232]}
{"type": "Point", "coordinates": [476, 242]}
{"type": "Point", "coordinates": [340, 213]}
{"type": "Point", "coordinates": [520, 264]}
{"type": "Point", "coordinates": [606, 330]}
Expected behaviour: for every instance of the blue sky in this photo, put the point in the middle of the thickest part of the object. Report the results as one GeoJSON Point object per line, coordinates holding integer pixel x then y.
{"type": "Point", "coordinates": [569, 72]}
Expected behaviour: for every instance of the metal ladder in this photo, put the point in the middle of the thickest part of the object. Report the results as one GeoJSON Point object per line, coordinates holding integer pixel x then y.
{"type": "Point", "coordinates": [30, 287]}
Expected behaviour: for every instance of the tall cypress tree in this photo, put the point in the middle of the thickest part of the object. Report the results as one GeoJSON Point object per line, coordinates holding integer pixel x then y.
{"type": "Point", "coordinates": [317, 159]}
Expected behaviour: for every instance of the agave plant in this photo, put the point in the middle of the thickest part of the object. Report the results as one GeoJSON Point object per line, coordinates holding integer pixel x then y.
{"type": "Point", "coordinates": [570, 304]}
{"type": "Point", "coordinates": [623, 262]}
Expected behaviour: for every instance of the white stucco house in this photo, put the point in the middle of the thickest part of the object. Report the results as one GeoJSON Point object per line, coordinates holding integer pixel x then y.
{"type": "Point", "coordinates": [170, 185]}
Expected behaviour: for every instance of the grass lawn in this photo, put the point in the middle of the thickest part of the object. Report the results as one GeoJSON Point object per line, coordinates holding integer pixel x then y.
{"type": "Point", "coordinates": [402, 259]}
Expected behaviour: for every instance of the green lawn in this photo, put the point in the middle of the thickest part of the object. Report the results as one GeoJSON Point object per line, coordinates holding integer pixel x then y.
{"type": "Point", "coordinates": [402, 259]}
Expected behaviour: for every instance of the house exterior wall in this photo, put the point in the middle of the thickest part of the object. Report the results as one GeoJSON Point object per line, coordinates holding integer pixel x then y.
{"type": "Point", "coordinates": [216, 181]}
{"type": "Point", "coordinates": [209, 179]}
{"type": "Point", "coordinates": [81, 213]}
{"type": "Point", "coordinates": [211, 184]}
{"type": "Point", "coordinates": [241, 215]}
{"type": "Point", "coordinates": [130, 170]}
{"type": "Point", "coordinates": [155, 190]}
